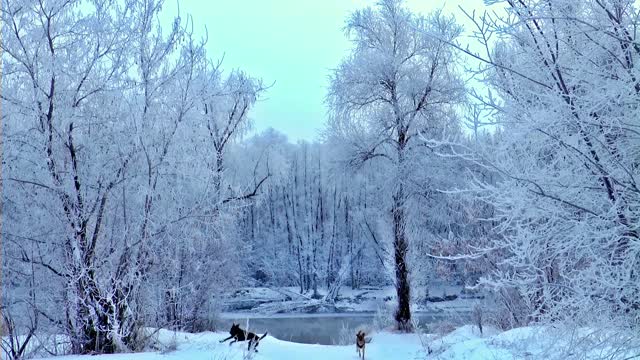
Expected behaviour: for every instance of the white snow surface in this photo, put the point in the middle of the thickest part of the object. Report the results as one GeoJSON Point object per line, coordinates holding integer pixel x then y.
{"type": "Point", "coordinates": [463, 343]}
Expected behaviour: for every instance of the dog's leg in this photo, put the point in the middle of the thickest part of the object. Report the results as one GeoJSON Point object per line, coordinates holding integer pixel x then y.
{"type": "Point", "coordinates": [363, 352]}
{"type": "Point", "coordinates": [226, 339]}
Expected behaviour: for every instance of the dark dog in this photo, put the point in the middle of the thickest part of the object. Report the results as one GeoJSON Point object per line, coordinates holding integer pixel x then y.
{"type": "Point", "coordinates": [360, 343]}
{"type": "Point", "coordinates": [238, 334]}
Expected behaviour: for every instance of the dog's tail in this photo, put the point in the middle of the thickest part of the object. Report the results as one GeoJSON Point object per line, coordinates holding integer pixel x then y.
{"type": "Point", "coordinates": [263, 336]}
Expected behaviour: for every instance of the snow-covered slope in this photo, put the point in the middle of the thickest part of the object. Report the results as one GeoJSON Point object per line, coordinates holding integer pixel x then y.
{"type": "Point", "coordinates": [206, 346]}
{"type": "Point", "coordinates": [534, 342]}
{"type": "Point", "coordinates": [463, 343]}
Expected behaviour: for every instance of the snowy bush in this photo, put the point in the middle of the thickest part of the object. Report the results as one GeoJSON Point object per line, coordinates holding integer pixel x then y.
{"type": "Point", "coordinates": [383, 319]}
{"type": "Point", "coordinates": [346, 336]}
{"type": "Point", "coordinates": [169, 346]}
{"type": "Point", "coordinates": [442, 327]}
{"type": "Point", "coordinates": [478, 317]}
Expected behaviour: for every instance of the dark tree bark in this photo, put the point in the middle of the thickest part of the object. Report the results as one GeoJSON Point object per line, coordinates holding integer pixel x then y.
{"type": "Point", "coordinates": [400, 244]}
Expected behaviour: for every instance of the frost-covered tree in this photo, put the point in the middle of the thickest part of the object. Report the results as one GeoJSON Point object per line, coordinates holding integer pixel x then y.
{"type": "Point", "coordinates": [311, 226]}
{"type": "Point", "coordinates": [203, 259]}
{"type": "Point", "coordinates": [397, 82]}
{"type": "Point", "coordinates": [106, 165]}
{"type": "Point", "coordinates": [84, 89]}
{"type": "Point", "coordinates": [566, 98]}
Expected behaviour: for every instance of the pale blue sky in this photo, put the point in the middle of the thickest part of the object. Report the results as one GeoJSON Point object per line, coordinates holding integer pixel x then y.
{"type": "Point", "coordinates": [294, 43]}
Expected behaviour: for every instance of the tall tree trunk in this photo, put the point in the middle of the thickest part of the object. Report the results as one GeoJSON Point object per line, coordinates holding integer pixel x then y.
{"type": "Point", "coordinates": [319, 229]}
{"type": "Point", "coordinates": [403, 314]}
{"type": "Point", "coordinates": [330, 261]}
{"type": "Point", "coordinates": [400, 244]}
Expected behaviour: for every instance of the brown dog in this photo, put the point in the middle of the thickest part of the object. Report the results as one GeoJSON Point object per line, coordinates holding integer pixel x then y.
{"type": "Point", "coordinates": [360, 343]}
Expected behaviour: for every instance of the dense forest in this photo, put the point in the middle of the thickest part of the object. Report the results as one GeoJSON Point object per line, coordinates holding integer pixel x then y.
{"type": "Point", "coordinates": [135, 191]}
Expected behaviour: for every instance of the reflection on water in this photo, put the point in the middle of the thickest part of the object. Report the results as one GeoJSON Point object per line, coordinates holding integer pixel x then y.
{"type": "Point", "coordinates": [318, 329]}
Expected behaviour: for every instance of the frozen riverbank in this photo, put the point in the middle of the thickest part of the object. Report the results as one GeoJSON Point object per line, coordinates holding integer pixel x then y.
{"type": "Point", "coordinates": [463, 343]}
{"type": "Point", "coordinates": [286, 300]}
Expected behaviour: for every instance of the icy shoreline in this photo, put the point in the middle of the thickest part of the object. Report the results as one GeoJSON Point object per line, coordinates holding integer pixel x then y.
{"type": "Point", "coordinates": [287, 300]}
{"type": "Point", "coordinates": [346, 314]}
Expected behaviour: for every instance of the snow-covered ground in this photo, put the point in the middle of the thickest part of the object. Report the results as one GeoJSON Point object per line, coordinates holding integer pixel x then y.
{"type": "Point", "coordinates": [309, 329]}
{"type": "Point", "coordinates": [465, 343]}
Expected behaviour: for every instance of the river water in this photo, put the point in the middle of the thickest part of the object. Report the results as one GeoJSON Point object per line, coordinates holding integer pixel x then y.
{"type": "Point", "coordinates": [325, 329]}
